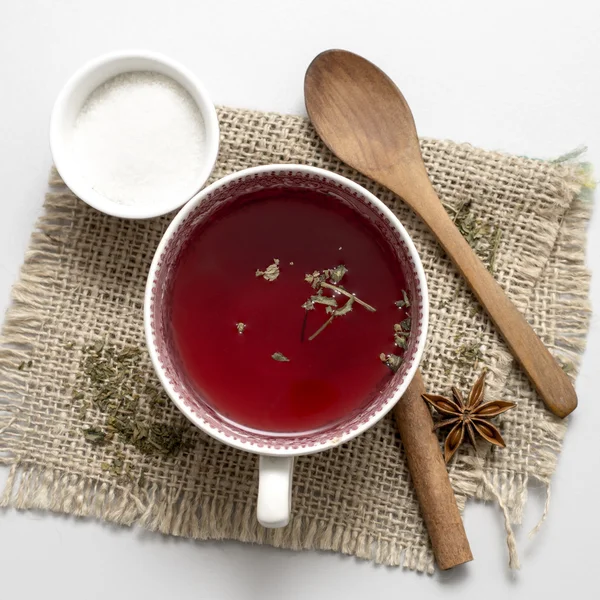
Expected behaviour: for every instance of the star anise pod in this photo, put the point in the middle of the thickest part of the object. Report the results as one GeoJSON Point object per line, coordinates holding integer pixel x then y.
{"type": "Point", "coordinates": [471, 416]}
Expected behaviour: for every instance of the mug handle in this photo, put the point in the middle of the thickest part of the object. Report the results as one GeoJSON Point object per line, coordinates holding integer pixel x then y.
{"type": "Point", "coordinates": [274, 490]}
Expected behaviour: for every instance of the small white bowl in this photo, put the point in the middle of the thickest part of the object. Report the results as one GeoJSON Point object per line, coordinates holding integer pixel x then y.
{"type": "Point", "coordinates": [74, 95]}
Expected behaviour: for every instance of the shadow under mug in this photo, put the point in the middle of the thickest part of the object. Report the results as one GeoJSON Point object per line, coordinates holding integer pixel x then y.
{"type": "Point", "coordinates": [277, 452]}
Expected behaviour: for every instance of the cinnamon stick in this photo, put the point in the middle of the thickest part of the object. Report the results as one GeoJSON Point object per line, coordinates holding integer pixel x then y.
{"type": "Point", "coordinates": [430, 478]}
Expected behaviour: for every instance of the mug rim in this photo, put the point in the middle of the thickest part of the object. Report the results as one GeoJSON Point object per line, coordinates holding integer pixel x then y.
{"type": "Point", "coordinates": [152, 347]}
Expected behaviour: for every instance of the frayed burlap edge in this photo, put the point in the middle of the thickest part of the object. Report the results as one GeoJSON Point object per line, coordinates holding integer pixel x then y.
{"type": "Point", "coordinates": [509, 489]}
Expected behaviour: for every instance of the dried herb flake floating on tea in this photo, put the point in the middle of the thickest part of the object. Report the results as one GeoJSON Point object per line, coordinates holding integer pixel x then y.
{"type": "Point", "coordinates": [329, 279]}
{"type": "Point", "coordinates": [391, 361]}
{"type": "Point", "coordinates": [271, 273]}
{"type": "Point", "coordinates": [405, 302]}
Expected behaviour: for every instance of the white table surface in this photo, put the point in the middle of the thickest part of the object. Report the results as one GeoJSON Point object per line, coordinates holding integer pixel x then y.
{"type": "Point", "coordinates": [516, 76]}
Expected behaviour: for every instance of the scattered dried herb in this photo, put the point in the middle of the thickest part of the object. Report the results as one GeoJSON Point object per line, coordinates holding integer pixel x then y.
{"type": "Point", "coordinates": [95, 436]}
{"type": "Point", "coordinates": [468, 355]}
{"type": "Point", "coordinates": [483, 237]}
{"type": "Point", "coordinates": [405, 302]}
{"type": "Point", "coordinates": [329, 279]}
{"type": "Point", "coordinates": [156, 438]}
{"type": "Point", "coordinates": [494, 250]}
{"type": "Point", "coordinates": [401, 341]}
{"type": "Point", "coordinates": [402, 329]}
{"type": "Point", "coordinates": [317, 278]}
{"type": "Point", "coordinates": [278, 356]}
{"type": "Point", "coordinates": [337, 274]}
{"type": "Point", "coordinates": [240, 327]}
{"type": "Point", "coordinates": [472, 228]}
{"type": "Point", "coordinates": [328, 301]}
{"type": "Point", "coordinates": [391, 361]}
{"type": "Point", "coordinates": [471, 416]}
{"type": "Point", "coordinates": [322, 328]}
{"type": "Point", "coordinates": [308, 305]}
{"type": "Point", "coordinates": [117, 467]}
{"type": "Point", "coordinates": [341, 290]}
{"type": "Point", "coordinates": [345, 308]}
{"type": "Point", "coordinates": [339, 312]}
{"type": "Point", "coordinates": [113, 384]}
{"type": "Point", "coordinates": [271, 273]}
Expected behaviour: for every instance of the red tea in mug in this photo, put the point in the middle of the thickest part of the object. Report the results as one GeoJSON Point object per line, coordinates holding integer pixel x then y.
{"type": "Point", "coordinates": [254, 345]}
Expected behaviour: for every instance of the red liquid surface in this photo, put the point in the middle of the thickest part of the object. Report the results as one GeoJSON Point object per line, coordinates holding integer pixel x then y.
{"type": "Point", "coordinates": [215, 287]}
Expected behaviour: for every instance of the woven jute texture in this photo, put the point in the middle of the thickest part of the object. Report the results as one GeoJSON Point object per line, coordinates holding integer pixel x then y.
{"type": "Point", "coordinates": [80, 294]}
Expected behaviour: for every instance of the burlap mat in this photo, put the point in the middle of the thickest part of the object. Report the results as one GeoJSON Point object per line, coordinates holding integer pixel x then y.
{"type": "Point", "coordinates": [122, 453]}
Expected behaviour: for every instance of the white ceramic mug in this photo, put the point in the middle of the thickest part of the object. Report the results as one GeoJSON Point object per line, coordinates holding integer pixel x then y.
{"type": "Point", "coordinates": [277, 452]}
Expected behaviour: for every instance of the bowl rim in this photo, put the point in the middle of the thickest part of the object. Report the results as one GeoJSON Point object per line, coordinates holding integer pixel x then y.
{"type": "Point", "coordinates": [66, 168]}
{"type": "Point", "coordinates": [152, 349]}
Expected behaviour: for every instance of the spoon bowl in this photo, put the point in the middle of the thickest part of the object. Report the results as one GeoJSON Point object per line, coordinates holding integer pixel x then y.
{"type": "Point", "coordinates": [367, 129]}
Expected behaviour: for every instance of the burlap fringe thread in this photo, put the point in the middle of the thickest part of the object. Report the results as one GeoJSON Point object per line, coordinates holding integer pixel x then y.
{"type": "Point", "coordinates": [573, 307]}
{"type": "Point", "coordinates": [31, 487]}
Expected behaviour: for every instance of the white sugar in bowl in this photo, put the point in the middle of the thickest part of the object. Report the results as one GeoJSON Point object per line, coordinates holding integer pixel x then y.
{"type": "Point", "coordinates": [134, 134]}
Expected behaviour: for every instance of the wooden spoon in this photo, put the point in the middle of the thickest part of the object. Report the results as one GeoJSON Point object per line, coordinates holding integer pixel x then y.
{"type": "Point", "coordinates": [364, 119]}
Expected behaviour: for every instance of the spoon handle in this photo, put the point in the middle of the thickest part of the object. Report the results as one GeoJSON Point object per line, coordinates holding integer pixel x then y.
{"type": "Point", "coordinates": [550, 381]}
